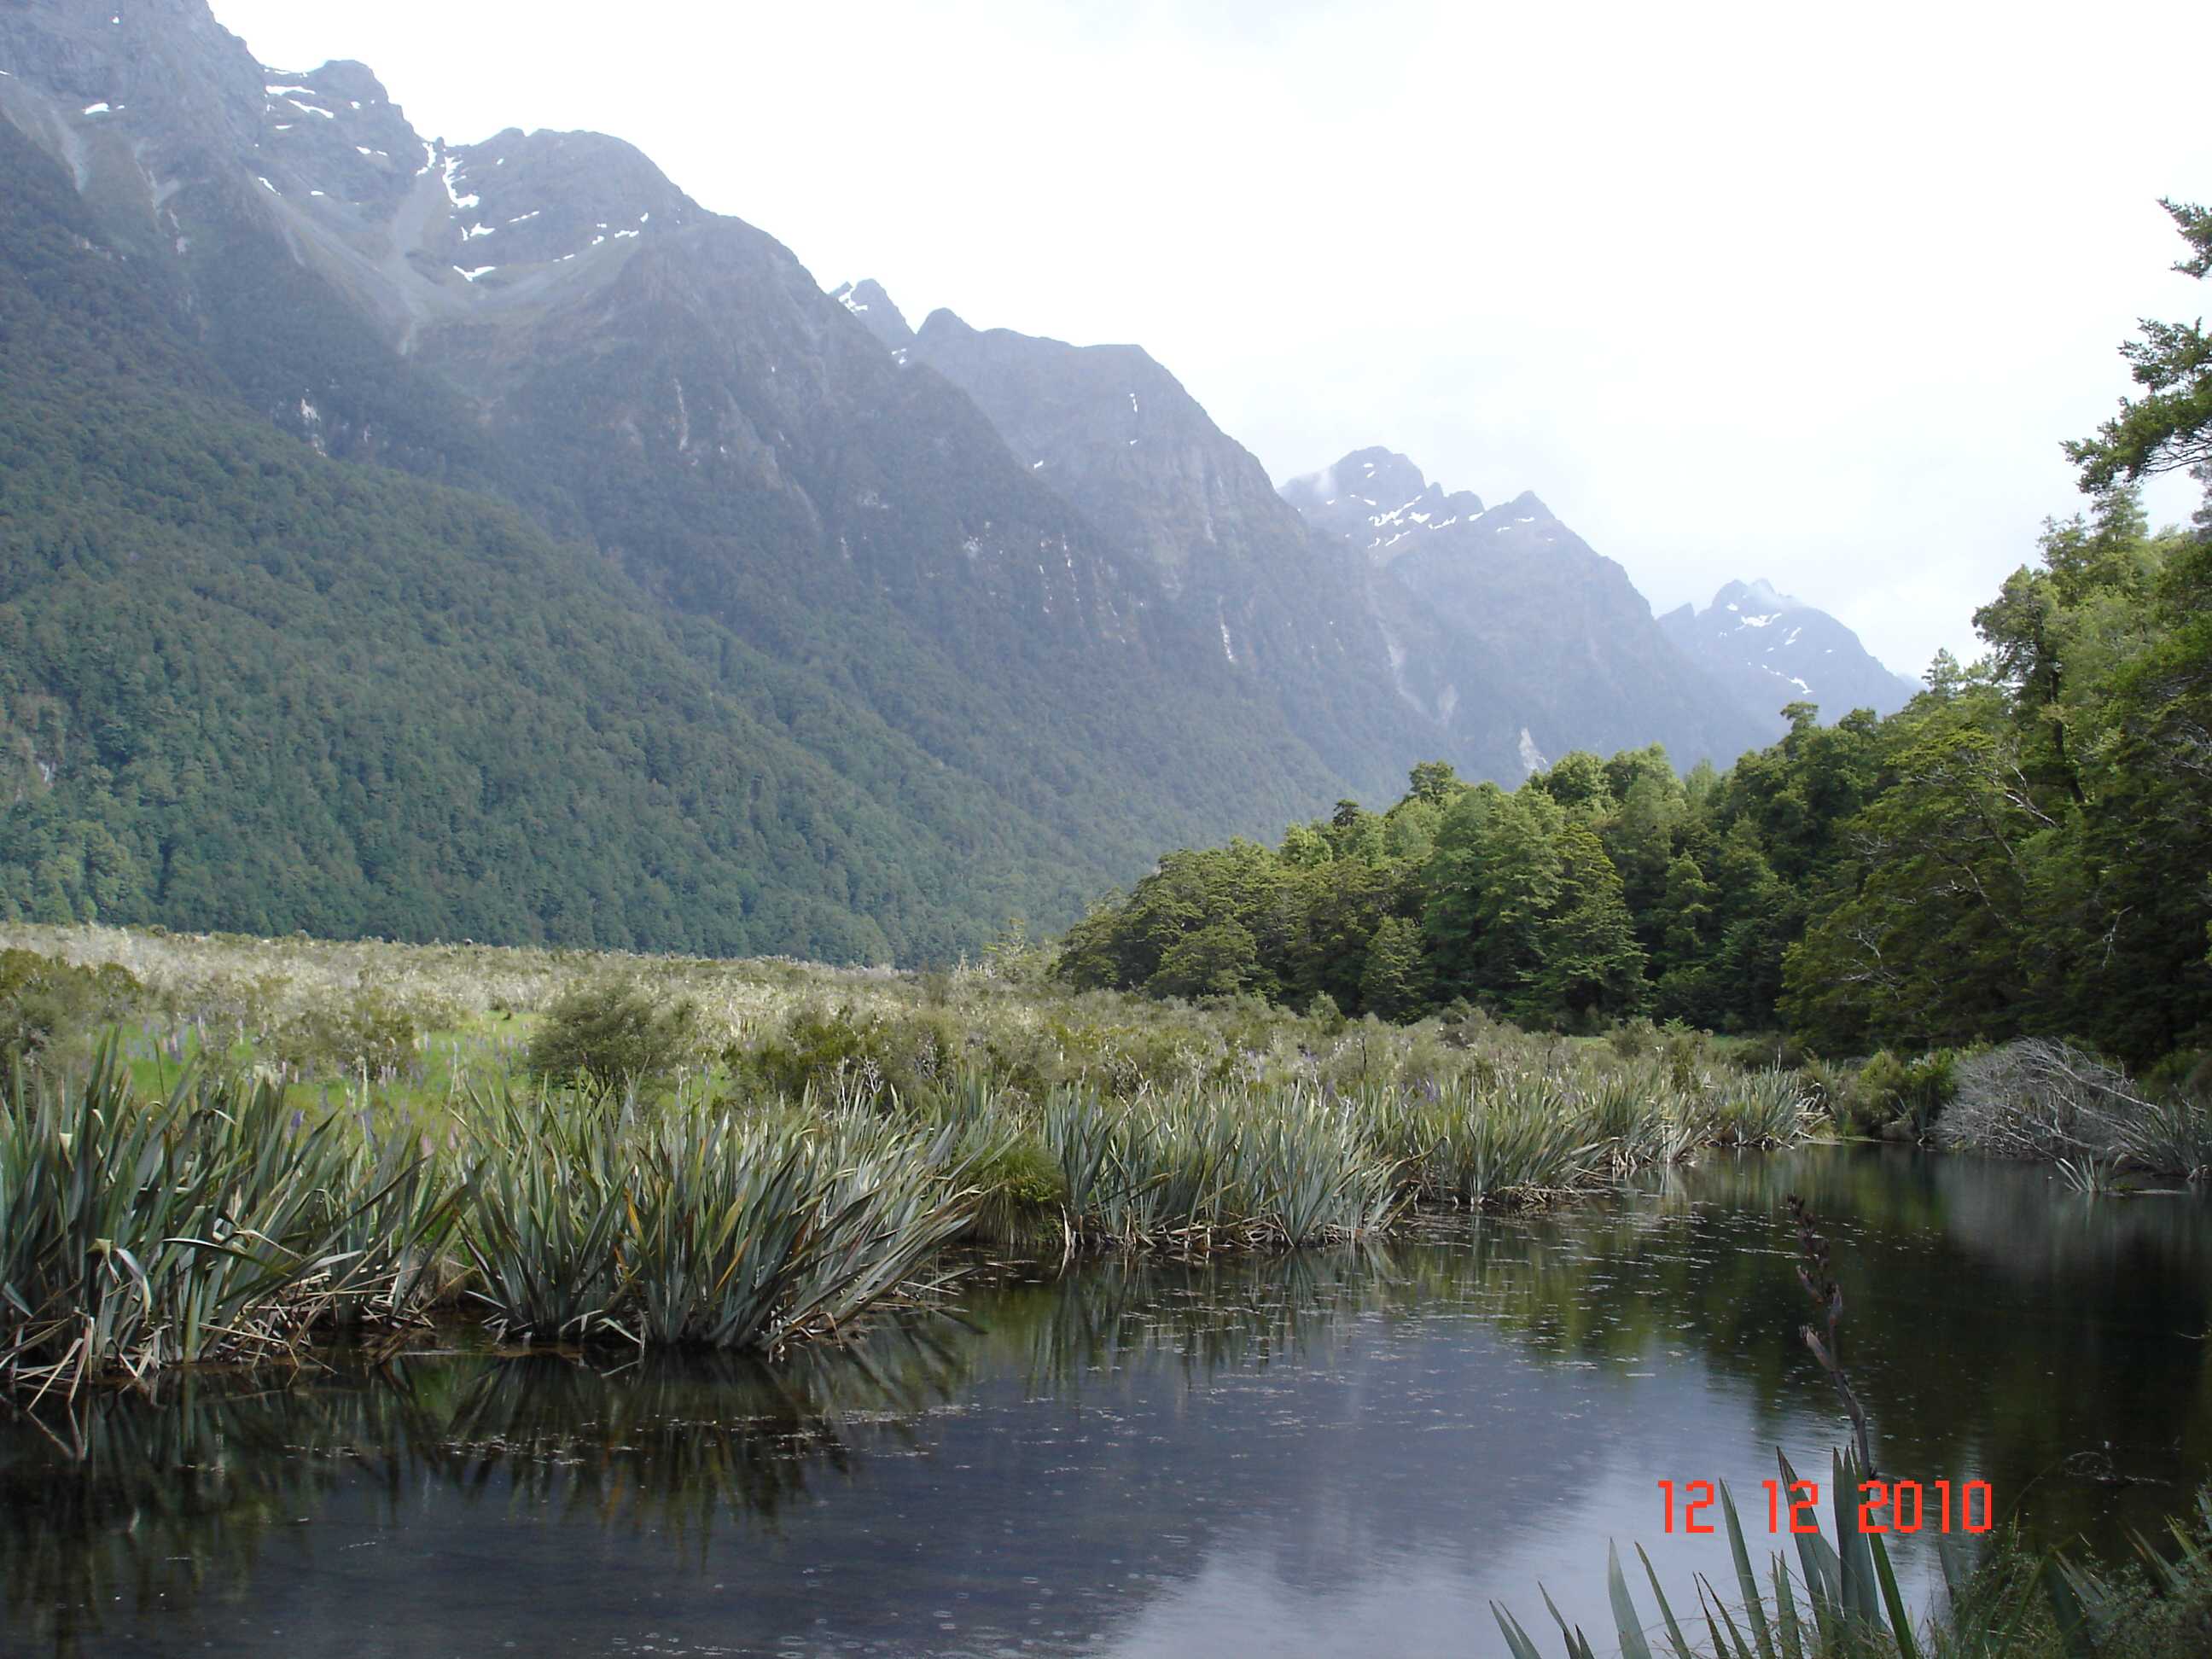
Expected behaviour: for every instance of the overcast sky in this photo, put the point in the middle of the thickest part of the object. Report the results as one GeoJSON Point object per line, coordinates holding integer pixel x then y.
{"type": "Point", "coordinates": [1810, 294]}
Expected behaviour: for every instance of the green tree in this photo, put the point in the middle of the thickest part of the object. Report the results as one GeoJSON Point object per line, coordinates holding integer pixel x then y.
{"type": "Point", "coordinates": [1591, 966]}
{"type": "Point", "coordinates": [1219, 959]}
{"type": "Point", "coordinates": [2169, 429]}
{"type": "Point", "coordinates": [1393, 984]}
{"type": "Point", "coordinates": [1683, 921]}
{"type": "Point", "coordinates": [1433, 782]}
{"type": "Point", "coordinates": [1578, 782]}
{"type": "Point", "coordinates": [1517, 885]}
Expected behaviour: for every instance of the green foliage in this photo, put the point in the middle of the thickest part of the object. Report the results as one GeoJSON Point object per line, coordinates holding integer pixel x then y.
{"type": "Point", "coordinates": [699, 1226]}
{"type": "Point", "coordinates": [212, 1223]}
{"type": "Point", "coordinates": [857, 1122]}
{"type": "Point", "coordinates": [614, 1036]}
{"type": "Point", "coordinates": [618, 704]}
{"type": "Point", "coordinates": [2021, 851]}
{"type": "Point", "coordinates": [373, 1033]}
{"type": "Point", "coordinates": [2170, 427]}
{"type": "Point", "coordinates": [45, 1003]}
{"type": "Point", "coordinates": [1394, 985]}
{"type": "Point", "coordinates": [1890, 1092]}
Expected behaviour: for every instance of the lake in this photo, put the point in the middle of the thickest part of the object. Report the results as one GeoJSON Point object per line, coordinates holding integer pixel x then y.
{"type": "Point", "coordinates": [1341, 1452]}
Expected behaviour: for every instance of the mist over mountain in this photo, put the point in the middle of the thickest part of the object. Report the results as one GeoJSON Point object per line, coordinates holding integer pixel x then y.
{"type": "Point", "coordinates": [486, 539]}
{"type": "Point", "coordinates": [1770, 650]}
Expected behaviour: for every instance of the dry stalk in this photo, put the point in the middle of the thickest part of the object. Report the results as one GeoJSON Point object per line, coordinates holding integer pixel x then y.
{"type": "Point", "coordinates": [1815, 1274]}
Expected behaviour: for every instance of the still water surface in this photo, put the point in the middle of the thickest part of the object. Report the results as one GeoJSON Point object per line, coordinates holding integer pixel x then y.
{"type": "Point", "coordinates": [1335, 1453]}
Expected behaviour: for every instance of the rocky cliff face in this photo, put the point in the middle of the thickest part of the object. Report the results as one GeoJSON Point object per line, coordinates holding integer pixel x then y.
{"type": "Point", "coordinates": [868, 301]}
{"type": "Point", "coordinates": [1770, 650]}
{"type": "Point", "coordinates": [1118, 437]}
{"type": "Point", "coordinates": [1511, 631]}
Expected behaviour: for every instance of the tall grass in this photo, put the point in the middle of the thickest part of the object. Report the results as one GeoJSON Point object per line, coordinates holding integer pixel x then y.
{"type": "Point", "coordinates": [827, 1132]}
{"type": "Point", "coordinates": [1202, 1170]}
{"type": "Point", "coordinates": [212, 1224]}
{"type": "Point", "coordinates": [696, 1225]}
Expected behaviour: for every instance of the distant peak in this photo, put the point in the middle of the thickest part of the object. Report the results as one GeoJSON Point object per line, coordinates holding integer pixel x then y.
{"type": "Point", "coordinates": [1760, 596]}
{"type": "Point", "coordinates": [867, 299]}
{"type": "Point", "coordinates": [1527, 505]}
{"type": "Point", "coordinates": [1380, 472]}
{"type": "Point", "coordinates": [349, 78]}
{"type": "Point", "coordinates": [1369, 475]}
{"type": "Point", "coordinates": [943, 320]}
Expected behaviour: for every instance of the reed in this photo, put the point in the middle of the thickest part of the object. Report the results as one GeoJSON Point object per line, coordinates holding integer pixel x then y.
{"type": "Point", "coordinates": [828, 1133]}
{"type": "Point", "coordinates": [1761, 1108]}
{"type": "Point", "coordinates": [1524, 1139]}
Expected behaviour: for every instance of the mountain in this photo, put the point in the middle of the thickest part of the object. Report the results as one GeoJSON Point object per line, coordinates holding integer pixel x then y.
{"type": "Point", "coordinates": [431, 539]}
{"type": "Point", "coordinates": [1770, 650]}
{"type": "Point", "coordinates": [1521, 639]}
{"type": "Point", "coordinates": [1117, 436]}
{"type": "Point", "coordinates": [927, 693]}
{"type": "Point", "coordinates": [867, 300]}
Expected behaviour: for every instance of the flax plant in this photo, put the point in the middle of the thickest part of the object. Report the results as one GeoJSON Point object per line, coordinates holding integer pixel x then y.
{"type": "Point", "coordinates": [213, 1223]}
{"type": "Point", "coordinates": [696, 1224]}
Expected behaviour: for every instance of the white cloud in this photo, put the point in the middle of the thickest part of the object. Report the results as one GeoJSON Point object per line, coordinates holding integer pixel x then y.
{"type": "Point", "coordinates": [1738, 290]}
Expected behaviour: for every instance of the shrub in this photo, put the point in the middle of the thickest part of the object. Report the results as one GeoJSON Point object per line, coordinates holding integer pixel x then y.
{"type": "Point", "coordinates": [45, 1003]}
{"type": "Point", "coordinates": [613, 1035]}
{"type": "Point", "coordinates": [814, 1049]}
{"type": "Point", "coordinates": [374, 1034]}
{"type": "Point", "coordinates": [1633, 1040]}
{"type": "Point", "coordinates": [1891, 1091]}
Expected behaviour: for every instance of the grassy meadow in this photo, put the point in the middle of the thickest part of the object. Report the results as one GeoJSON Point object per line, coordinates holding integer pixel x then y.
{"type": "Point", "coordinates": [215, 1146]}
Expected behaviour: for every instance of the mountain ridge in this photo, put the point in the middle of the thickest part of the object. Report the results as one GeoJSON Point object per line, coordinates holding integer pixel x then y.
{"type": "Point", "coordinates": [1514, 633]}
{"type": "Point", "coordinates": [1770, 650]}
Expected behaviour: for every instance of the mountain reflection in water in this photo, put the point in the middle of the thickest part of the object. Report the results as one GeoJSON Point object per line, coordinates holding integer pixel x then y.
{"type": "Point", "coordinates": [1333, 1452]}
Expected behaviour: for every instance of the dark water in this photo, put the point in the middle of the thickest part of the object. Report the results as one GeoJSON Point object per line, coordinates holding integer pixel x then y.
{"type": "Point", "coordinates": [1342, 1453]}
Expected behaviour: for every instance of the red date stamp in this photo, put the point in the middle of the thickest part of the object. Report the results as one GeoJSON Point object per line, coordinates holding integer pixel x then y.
{"type": "Point", "coordinates": [1884, 1506]}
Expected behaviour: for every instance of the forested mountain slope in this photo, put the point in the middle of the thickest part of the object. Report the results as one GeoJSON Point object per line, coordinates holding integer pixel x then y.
{"type": "Point", "coordinates": [244, 687]}
{"type": "Point", "coordinates": [489, 540]}
{"type": "Point", "coordinates": [896, 638]}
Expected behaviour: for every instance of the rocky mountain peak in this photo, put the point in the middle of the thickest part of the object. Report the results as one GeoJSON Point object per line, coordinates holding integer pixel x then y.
{"type": "Point", "coordinates": [867, 299]}
{"type": "Point", "coordinates": [1371, 476]}
{"type": "Point", "coordinates": [1378, 500]}
{"type": "Point", "coordinates": [522, 202]}
{"type": "Point", "coordinates": [129, 71]}
{"type": "Point", "coordinates": [1117, 434]}
{"type": "Point", "coordinates": [1528, 508]}
{"type": "Point", "coordinates": [1770, 650]}
{"type": "Point", "coordinates": [1756, 597]}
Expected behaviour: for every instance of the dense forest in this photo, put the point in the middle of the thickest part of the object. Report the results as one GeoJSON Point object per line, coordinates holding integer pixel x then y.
{"type": "Point", "coordinates": [2025, 849]}
{"type": "Point", "coordinates": [247, 687]}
